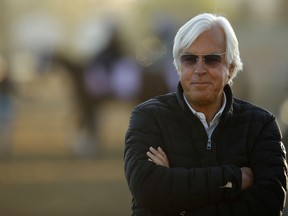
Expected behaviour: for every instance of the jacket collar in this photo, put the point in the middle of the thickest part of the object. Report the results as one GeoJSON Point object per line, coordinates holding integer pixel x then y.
{"type": "Point", "coordinates": [229, 103]}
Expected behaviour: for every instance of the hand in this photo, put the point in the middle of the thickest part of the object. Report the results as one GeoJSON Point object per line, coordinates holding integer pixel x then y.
{"type": "Point", "coordinates": [158, 156]}
{"type": "Point", "coordinates": [247, 177]}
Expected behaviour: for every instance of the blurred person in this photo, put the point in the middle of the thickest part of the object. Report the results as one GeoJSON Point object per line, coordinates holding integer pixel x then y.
{"type": "Point", "coordinates": [200, 150]}
{"type": "Point", "coordinates": [111, 74]}
{"type": "Point", "coordinates": [6, 110]}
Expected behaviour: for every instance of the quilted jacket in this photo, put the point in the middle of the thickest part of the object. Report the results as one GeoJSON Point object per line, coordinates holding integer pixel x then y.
{"type": "Point", "coordinates": [246, 136]}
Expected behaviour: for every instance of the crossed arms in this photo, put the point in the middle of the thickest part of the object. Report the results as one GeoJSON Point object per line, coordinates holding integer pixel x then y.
{"type": "Point", "coordinates": [159, 157]}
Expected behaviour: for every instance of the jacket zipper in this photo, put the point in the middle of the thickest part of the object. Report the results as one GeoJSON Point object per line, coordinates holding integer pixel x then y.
{"type": "Point", "coordinates": [209, 144]}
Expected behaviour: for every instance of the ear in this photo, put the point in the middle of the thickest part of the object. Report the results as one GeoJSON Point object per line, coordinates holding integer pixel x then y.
{"type": "Point", "coordinates": [231, 70]}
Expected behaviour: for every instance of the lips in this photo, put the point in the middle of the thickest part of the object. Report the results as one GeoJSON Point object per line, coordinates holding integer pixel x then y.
{"type": "Point", "coordinates": [200, 83]}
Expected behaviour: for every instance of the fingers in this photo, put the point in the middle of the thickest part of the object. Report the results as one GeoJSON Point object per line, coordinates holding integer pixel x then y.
{"type": "Point", "coordinates": [158, 156]}
{"type": "Point", "coordinates": [162, 153]}
{"type": "Point", "coordinates": [247, 177]}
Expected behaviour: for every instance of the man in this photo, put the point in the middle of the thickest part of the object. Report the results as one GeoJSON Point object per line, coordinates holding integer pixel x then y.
{"type": "Point", "coordinates": [200, 151]}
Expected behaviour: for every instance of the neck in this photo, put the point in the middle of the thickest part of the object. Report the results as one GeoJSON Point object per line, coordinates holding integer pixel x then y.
{"type": "Point", "coordinates": [209, 110]}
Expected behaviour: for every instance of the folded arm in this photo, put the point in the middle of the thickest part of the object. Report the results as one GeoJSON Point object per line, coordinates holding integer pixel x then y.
{"type": "Point", "coordinates": [159, 157]}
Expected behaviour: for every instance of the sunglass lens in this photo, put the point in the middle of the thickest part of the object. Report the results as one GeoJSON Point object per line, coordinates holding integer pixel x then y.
{"type": "Point", "coordinates": [212, 60]}
{"type": "Point", "coordinates": [189, 59]}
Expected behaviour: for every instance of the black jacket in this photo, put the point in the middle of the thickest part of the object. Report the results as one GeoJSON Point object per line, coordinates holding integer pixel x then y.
{"type": "Point", "coordinates": [193, 185]}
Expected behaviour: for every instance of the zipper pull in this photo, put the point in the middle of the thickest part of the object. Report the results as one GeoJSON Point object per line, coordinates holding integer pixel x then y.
{"type": "Point", "coordinates": [209, 145]}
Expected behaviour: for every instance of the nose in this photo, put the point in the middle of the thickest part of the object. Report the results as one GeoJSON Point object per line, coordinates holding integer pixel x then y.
{"type": "Point", "coordinates": [200, 67]}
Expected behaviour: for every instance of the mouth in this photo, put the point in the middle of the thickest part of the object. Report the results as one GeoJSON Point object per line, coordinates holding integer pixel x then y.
{"type": "Point", "coordinates": [200, 83]}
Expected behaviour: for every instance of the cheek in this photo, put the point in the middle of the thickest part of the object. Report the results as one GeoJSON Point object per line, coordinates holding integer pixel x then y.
{"type": "Point", "coordinates": [184, 78]}
{"type": "Point", "coordinates": [224, 75]}
{"type": "Point", "coordinates": [185, 73]}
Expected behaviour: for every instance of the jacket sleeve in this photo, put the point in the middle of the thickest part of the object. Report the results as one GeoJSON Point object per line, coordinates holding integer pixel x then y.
{"type": "Point", "coordinates": [170, 189]}
{"type": "Point", "coordinates": [268, 194]}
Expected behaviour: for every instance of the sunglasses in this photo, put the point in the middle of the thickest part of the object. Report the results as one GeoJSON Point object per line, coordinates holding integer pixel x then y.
{"type": "Point", "coordinates": [211, 60]}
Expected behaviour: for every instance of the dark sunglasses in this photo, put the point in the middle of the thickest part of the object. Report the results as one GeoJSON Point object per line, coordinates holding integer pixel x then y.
{"type": "Point", "coordinates": [210, 60]}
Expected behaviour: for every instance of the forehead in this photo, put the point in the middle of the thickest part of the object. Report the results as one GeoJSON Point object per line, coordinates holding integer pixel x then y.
{"type": "Point", "coordinates": [211, 40]}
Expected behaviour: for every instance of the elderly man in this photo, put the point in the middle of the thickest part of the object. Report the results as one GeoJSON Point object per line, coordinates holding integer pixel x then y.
{"type": "Point", "coordinates": [200, 151]}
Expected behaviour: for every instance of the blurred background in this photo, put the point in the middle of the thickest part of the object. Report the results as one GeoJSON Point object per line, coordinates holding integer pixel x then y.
{"type": "Point", "coordinates": [72, 70]}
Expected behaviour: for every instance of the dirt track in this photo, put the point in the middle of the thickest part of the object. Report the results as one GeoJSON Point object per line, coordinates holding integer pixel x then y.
{"type": "Point", "coordinates": [52, 187]}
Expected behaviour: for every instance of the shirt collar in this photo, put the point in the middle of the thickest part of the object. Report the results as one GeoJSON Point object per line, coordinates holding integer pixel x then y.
{"type": "Point", "coordinates": [201, 115]}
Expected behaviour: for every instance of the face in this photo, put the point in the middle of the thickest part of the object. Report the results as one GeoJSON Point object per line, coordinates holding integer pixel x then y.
{"type": "Point", "coordinates": [203, 79]}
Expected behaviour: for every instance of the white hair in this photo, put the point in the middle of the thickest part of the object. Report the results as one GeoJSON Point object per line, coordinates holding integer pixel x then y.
{"type": "Point", "coordinates": [191, 30]}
